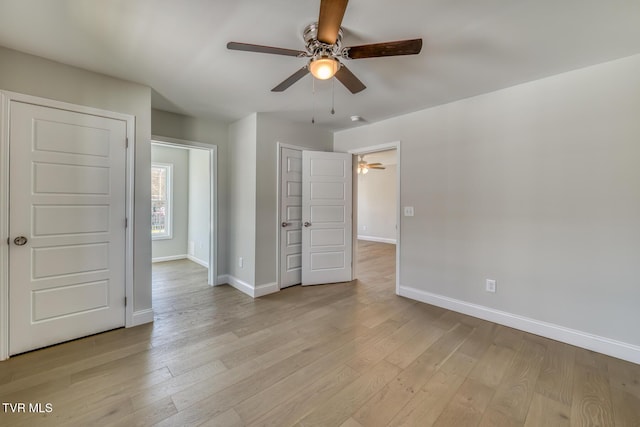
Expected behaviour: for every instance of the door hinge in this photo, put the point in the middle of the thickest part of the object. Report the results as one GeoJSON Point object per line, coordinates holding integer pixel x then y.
{"type": "Point", "coordinates": [126, 142]}
{"type": "Point", "coordinates": [8, 241]}
{"type": "Point", "coordinates": [126, 223]}
{"type": "Point", "coordinates": [125, 301]}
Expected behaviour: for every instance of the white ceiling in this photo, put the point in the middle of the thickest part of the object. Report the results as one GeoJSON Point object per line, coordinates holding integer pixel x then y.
{"type": "Point", "coordinates": [178, 48]}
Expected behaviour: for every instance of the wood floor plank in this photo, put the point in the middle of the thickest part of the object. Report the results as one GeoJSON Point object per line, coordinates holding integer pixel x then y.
{"type": "Point", "coordinates": [339, 408]}
{"type": "Point", "coordinates": [386, 403]}
{"type": "Point", "coordinates": [296, 407]}
{"type": "Point", "coordinates": [351, 423]}
{"type": "Point", "coordinates": [545, 411]}
{"type": "Point", "coordinates": [624, 376]}
{"type": "Point", "coordinates": [147, 415]}
{"type": "Point", "coordinates": [228, 418]}
{"type": "Point", "coordinates": [626, 408]}
{"type": "Point", "coordinates": [351, 354]}
{"type": "Point", "coordinates": [516, 389]}
{"type": "Point", "coordinates": [226, 393]}
{"type": "Point", "coordinates": [467, 405]}
{"type": "Point", "coordinates": [591, 398]}
{"type": "Point", "coordinates": [556, 374]}
{"type": "Point", "coordinates": [428, 403]}
{"type": "Point", "coordinates": [493, 365]}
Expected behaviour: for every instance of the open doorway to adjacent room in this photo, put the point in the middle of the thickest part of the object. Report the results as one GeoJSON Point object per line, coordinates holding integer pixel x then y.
{"type": "Point", "coordinates": [376, 213]}
{"type": "Point", "coordinates": [183, 212]}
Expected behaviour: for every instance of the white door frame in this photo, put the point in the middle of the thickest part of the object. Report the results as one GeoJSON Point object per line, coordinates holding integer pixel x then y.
{"type": "Point", "coordinates": [5, 99]}
{"type": "Point", "coordinates": [366, 150]}
{"type": "Point", "coordinates": [280, 146]}
{"type": "Point", "coordinates": [212, 278]}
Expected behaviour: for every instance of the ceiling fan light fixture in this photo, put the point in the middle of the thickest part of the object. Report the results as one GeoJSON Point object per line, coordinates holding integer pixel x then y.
{"type": "Point", "coordinates": [363, 167]}
{"type": "Point", "coordinates": [323, 67]}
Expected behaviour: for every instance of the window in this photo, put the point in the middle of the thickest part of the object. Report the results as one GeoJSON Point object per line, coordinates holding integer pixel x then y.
{"type": "Point", "coordinates": [161, 200]}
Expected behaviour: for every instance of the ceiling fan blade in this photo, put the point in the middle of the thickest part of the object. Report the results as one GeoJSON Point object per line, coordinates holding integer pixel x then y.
{"type": "Point", "coordinates": [377, 167]}
{"type": "Point", "coordinates": [375, 164]}
{"type": "Point", "coordinates": [401, 47]}
{"type": "Point", "coordinates": [349, 79]}
{"type": "Point", "coordinates": [331, 14]}
{"type": "Point", "coordinates": [291, 79]}
{"type": "Point", "coordinates": [264, 49]}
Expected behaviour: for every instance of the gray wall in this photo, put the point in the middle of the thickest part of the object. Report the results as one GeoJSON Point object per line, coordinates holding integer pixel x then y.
{"type": "Point", "coordinates": [179, 158]}
{"type": "Point", "coordinates": [536, 186]}
{"type": "Point", "coordinates": [206, 131]}
{"type": "Point", "coordinates": [242, 198]}
{"type": "Point", "coordinates": [199, 205]}
{"type": "Point", "coordinates": [377, 204]}
{"type": "Point", "coordinates": [272, 130]}
{"type": "Point", "coordinates": [32, 75]}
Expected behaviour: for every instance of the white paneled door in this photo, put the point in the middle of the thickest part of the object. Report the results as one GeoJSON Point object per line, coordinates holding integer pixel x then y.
{"type": "Point", "coordinates": [291, 217]}
{"type": "Point", "coordinates": [67, 225]}
{"type": "Point", "coordinates": [326, 216]}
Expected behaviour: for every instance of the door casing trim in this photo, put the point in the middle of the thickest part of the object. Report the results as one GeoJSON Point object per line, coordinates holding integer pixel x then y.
{"type": "Point", "coordinates": [5, 99]}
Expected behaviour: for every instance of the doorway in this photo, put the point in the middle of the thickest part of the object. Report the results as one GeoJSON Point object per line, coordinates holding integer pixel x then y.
{"type": "Point", "coordinates": [376, 216]}
{"type": "Point", "coordinates": [184, 203]}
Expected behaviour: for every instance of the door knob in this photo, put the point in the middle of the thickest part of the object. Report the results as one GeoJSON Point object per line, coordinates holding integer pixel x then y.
{"type": "Point", "coordinates": [285, 223]}
{"type": "Point", "coordinates": [307, 224]}
{"type": "Point", "coordinates": [20, 240]}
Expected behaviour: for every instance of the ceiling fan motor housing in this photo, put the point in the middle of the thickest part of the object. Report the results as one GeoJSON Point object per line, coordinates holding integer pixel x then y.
{"type": "Point", "coordinates": [317, 49]}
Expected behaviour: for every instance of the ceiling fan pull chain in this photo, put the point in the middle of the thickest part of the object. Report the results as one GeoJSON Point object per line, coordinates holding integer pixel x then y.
{"type": "Point", "coordinates": [313, 101]}
{"type": "Point", "coordinates": [333, 95]}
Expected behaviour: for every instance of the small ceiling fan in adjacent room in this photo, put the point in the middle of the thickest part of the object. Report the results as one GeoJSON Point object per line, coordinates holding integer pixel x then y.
{"type": "Point", "coordinates": [324, 49]}
{"type": "Point", "coordinates": [363, 166]}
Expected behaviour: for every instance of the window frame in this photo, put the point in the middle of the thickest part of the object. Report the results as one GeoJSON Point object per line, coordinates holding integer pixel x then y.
{"type": "Point", "coordinates": [168, 234]}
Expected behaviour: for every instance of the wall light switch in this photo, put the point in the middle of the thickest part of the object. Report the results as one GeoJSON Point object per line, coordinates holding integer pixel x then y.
{"type": "Point", "coordinates": [240, 262]}
{"type": "Point", "coordinates": [408, 211]}
{"type": "Point", "coordinates": [490, 285]}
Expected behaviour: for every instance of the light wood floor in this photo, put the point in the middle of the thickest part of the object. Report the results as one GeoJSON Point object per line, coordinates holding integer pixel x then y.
{"type": "Point", "coordinates": [351, 354]}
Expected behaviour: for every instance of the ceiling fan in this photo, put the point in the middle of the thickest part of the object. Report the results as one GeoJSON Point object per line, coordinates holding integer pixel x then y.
{"type": "Point", "coordinates": [324, 49]}
{"type": "Point", "coordinates": [363, 166]}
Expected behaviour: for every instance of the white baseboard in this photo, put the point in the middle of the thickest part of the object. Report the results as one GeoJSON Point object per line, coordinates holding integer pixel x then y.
{"type": "Point", "coordinates": [141, 317]}
{"type": "Point", "coordinates": [198, 261]}
{"type": "Point", "coordinates": [618, 349]}
{"type": "Point", "coordinates": [169, 258]}
{"type": "Point", "coordinates": [377, 239]}
{"type": "Point", "coordinates": [242, 286]}
{"type": "Point", "coordinates": [266, 289]}
{"type": "Point", "coordinates": [222, 279]}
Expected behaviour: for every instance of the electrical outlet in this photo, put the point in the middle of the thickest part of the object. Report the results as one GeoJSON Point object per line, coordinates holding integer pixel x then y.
{"type": "Point", "coordinates": [364, 228]}
{"type": "Point", "coordinates": [408, 211]}
{"type": "Point", "coordinates": [490, 285]}
{"type": "Point", "coordinates": [240, 262]}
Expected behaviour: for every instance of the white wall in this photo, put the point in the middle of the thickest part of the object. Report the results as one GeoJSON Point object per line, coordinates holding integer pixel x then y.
{"type": "Point", "coordinates": [199, 206]}
{"type": "Point", "coordinates": [206, 131]}
{"type": "Point", "coordinates": [32, 75]}
{"type": "Point", "coordinates": [536, 186]}
{"type": "Point", "coordinates": [377, 205]}
{"type": "Point", "coordinates": [177, 245]}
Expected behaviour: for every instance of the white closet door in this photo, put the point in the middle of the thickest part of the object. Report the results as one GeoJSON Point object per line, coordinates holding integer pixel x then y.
{"type": "Point", "coordinates": [291, 217]}
{"type": "Point", "coordinates": [326, 216]}
{"type": "Point", "coordinates": [67, 225]}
